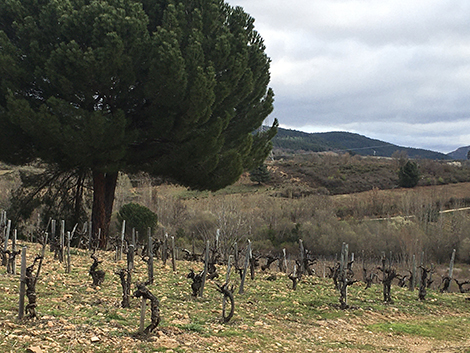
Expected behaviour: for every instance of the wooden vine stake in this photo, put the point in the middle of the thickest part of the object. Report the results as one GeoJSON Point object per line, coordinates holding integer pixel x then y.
{"type": "Point", "coordinates": [22, 284]}
{"type": "Point", "coordinates": [5, 245]}
{"type": "Point", "coordinates": [11, 255]}
{"type": "Point", "coordinates": [52, 238]}
{"type": "Point", "coordinates": [123, 231]}
{"type": "Point", "coordinates": [43, 251]}
{"type": "Point", "coordinates": [235, 253]}
{"type": "Point", "coordinates": [143, 309]}
{"type": "Point", "coordinates": [150, 255]}
{"type": "Point", "coordinates": [302, 258]}
{"type": "Point", "coordinates": [245, 269]}
{"type": "Point", "coordinates": [165, 249]}
{"type": "Point", "coordinates": [173, 254]}
{"type": "Point", "coordinates": [447, 279]}
{"type": "Point", "coordinates": [413, 274]}
{"type": "Point", "coordinates": [62, 241]}
{"type": "Point", "coordinates": [284, 260]}
{"type": "Point", "coordinates": [206, 267]}
{"type": "Point", "coordinates": [68, 265]}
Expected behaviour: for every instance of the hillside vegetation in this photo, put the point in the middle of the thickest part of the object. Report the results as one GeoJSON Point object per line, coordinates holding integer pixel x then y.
{"type": "Point", "coordinates": [324, 199]}
{"type": "Point", "coordinates": [292, 140]}
{"type": "Point", "coordinates": [333, 173]}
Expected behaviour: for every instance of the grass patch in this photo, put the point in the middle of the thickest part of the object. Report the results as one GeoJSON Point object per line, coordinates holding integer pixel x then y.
{"type": "Point", "coordinates": [193, 327]}
{"type": "Point", "coordinates": [454, 329]}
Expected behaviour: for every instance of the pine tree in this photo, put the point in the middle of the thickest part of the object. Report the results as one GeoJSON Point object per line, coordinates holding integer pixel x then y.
{"type": "Point", "coordinates": [174, 88]}
{"type": "Point", "coordinates": [408, 175]}
{"type": "Point", "coordinates": [260, 174]}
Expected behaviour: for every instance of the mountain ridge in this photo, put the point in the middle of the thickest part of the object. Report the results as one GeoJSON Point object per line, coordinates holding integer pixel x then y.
{"type": "Point", "coordinates": [459, 153]}
{"type": "Point", "coordinates": [353, 143]}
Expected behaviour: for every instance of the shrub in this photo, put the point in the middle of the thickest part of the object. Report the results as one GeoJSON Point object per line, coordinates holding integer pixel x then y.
{"type": "Point", "coordinates": [138, 217]}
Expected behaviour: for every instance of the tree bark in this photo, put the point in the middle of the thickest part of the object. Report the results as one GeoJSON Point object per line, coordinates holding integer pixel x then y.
{"type": "Point", "coordinates": [104, 186]}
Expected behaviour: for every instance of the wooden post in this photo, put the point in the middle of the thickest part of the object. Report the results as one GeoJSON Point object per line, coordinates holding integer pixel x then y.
{"type": "Point", "coordinates": [451, 265]}
{"type": "Point", "coordinates": [413, 274]}
{"type": "Point", "coordinates": [7, 236]}
{"type": "Point", "coordinates": [53, 226]}
{"type": "Point", "coordinates": [123, 231]}
{"type": "Point", "coordinates": [90, 235]}
{"type": "Point", "coordinates": [143, 308]}
{"type": "Point", "coordinates": [227, 278]}
{"type": "Point", "coordinates": [302, 254]}
{"type": "Point", "coordinates": [68, 266]}
{"type": "Point", "coordinates": [173, 255]}
{"type": "Point", "coordinates": [3, 218]}
{"type": "Point", "coordinates": [229, 268]}
{"type": "Point", "coordinates": [38, 224]}
{"type": "Point", "coordinates": [43, 253]}
{"type": "Point", "coordinates": [341, 261]}
{"type": "Point", "coordinates": [22, 284]}
{"type": "Point", "coordinates": [247, 261]}
{"type": "Point", "coordinates": [133, 237]}
{"type": "Point", "coordinates": [5, 245]}
{"type": "Point", "coordinates": [206, 267]}
{"type": "Point", "coordinates": [150, 255]}
{"type": "Point", "coordinates": [98, 238]}
{"type": "Point", "coordinates": [13, 249]}
{"type": "Point", "coordinates": [130, 258]}
{"type": "Point", "coordinates": [165, 249]}
{"type": "Point", "coordinates": [284, 259]}
{"type": "Point", "coordinates": [62, 241]}
{"type": "Point", "coordinates": [236, 254]}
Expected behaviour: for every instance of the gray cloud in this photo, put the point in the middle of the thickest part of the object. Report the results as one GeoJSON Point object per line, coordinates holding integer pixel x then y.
{"type": "Point", "coordinates": [397, 70]}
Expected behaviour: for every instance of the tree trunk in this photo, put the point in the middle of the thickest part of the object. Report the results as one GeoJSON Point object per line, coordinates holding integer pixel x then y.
{"type": "Point", "coordinates": [104, 185]}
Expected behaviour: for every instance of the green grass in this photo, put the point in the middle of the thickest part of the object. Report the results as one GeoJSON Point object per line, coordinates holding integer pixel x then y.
{"type": "Point", "coordinates": [452, 328]}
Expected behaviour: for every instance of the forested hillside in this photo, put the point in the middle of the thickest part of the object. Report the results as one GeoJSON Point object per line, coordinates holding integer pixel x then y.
{"type": "Point", "coordinates": [293, 140]}
{"type": "Point", "coordinates": [460, 153]}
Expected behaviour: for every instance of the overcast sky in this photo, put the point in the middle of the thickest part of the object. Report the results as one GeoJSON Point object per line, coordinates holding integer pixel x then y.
{"type": "Point", "coordinates": [395, 70]}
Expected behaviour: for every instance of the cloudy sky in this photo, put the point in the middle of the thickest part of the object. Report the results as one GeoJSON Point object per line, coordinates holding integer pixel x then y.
{"type": "Point", "coordinates": [395, 70]}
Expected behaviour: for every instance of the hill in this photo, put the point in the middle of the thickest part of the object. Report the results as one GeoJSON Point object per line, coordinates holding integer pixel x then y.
{"type": "Point", "coordinates": [459, 153]}
{"type": "Point", "coordinates": [337, 141]}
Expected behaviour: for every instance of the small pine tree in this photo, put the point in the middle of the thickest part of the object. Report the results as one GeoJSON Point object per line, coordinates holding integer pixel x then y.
{"type": "Point", "coordinates": [260, 174]}
{"type": "Point", "coordinates": [138, 217]}
{"type": "Point", "coordinates": [408, 175]}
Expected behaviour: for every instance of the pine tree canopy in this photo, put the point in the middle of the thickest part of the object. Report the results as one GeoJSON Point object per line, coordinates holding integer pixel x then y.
{"type": "Point", "coordinates": [176, 88]}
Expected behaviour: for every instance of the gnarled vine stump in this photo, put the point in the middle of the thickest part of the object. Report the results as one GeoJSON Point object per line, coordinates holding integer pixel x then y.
{"type": "Point", "coordinates": [197, 282]}
{"type": "Point", "coordinates": [228, 294]}
{"type": "Point", "coordinates": [142, 291]}
{"type": "Point", "coordinates": [126, 277]}
{"type": "Point", "coordinates": [96, 275]}
{"type": "Point", "coordinates": [30, 281]}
